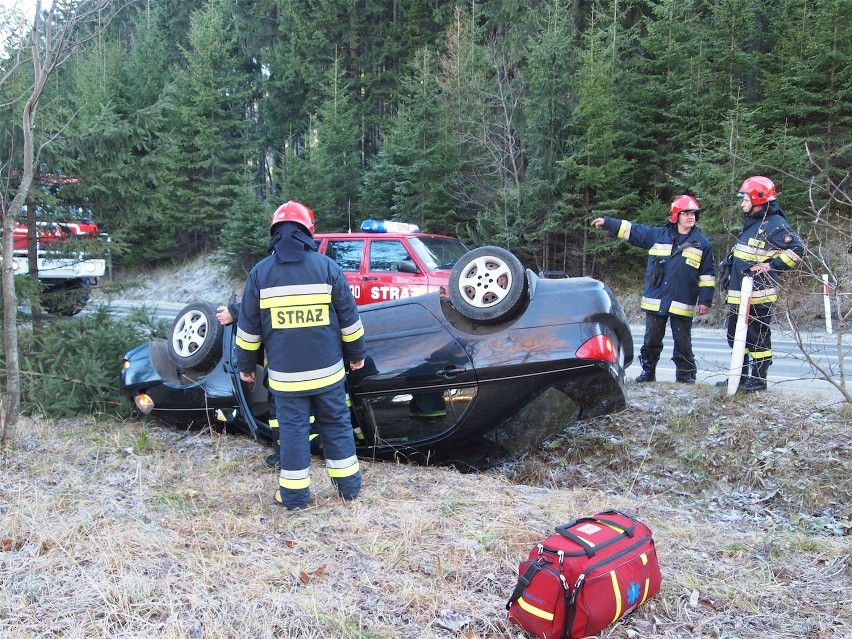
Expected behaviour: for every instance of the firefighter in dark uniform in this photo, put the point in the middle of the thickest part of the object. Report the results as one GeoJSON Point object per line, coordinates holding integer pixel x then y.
{"type": "Point", "coordinates": [679, 283]}
{"type": "Point", "coordinates": [766, 246]}
{"type": "Point", "coordinates": [297, 304]}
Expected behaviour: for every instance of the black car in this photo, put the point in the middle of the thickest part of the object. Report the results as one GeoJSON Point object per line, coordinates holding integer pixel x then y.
{"type": "Point", "coordinates": [467, 377]}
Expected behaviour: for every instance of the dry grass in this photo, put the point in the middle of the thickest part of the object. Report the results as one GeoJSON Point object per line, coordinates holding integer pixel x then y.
{"type": "Point", "coordinates": [128, 530]}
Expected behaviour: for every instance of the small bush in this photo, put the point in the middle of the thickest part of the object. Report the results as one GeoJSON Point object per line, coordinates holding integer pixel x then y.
{"type": "Point", "coordinates": [71, 367]}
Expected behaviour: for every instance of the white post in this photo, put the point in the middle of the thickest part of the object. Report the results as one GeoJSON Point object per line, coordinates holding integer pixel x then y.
{"type": "Point", "coordinates": [826, 298]}
{"type": "Point", "coordinates": [738, 351]}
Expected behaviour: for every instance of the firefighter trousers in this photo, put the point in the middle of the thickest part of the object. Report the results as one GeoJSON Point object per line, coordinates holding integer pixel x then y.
{"type": "Point", "coordinates": [758, 336]}
{"type": "Point", "coordinates": [332, 421]}
{"type": "Point", "coordinates": [655, 330]}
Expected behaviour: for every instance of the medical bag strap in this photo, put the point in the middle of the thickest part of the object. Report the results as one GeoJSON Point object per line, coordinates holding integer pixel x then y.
{"type": "Point", "coordinates": [628, 530]}
{"type": "Point", "coordinates": [524, 581]}
{"type": "Point", "coordinates": [563, 530]}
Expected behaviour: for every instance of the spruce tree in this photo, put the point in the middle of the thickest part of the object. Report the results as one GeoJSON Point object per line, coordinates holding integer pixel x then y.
{"type": "Point", "coordinates": [409, 178]}
{"type": "Point", "coordinates": [549, 73]}
{"type": "Point", "coordinates": [595, 180]}
{"type": "Point", "coordinates": [211, 132]}
{"type": "Point", "coordinates": [116, 145]}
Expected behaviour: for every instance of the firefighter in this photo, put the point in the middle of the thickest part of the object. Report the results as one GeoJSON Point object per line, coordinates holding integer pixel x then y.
{"type": "Point", "coordinates": [679, 283]}
{"type": "Point", "coordinates": [766, 246]}
{"type": "Point", "coordinates": [297, 304]}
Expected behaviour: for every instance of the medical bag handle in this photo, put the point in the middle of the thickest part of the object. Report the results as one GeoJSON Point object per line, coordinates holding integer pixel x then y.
{"type": "Point", "coordinates": [628, 531]}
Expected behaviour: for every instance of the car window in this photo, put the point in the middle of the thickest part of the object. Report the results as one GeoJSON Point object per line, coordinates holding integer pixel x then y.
{"type": "Point", "coordinates": [438, 252]}
{"type": "Point", "coordinates": [409, 396]}
{"type": "Point", "coordinates": [407, 418]}
{"type": "Point", "coordinates": [384, 254]}
{"type": "Point", "coordinates": [347, 253]}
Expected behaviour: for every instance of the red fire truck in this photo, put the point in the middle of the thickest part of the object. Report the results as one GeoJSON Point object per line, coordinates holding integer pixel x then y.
{"type": "Point", "coordinates": [69, 248]}
{"type": "Point", "coordinates": [390, 260]}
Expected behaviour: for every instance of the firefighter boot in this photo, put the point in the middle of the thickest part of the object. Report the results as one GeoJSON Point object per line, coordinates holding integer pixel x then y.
{"type": "Point", "coordinates": [743, 375]}
{"type": "Point", "coordinates": [757, 381]}
{"type": "Point", "coordinates": [348, 487]}
{"type": "Point", "coordinates": [685, 377]}
{"type": "Point", "coordinates": [649, 371]}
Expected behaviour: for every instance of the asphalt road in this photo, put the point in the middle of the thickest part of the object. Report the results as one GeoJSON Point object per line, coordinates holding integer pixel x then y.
{"type": "Point", "coordinates": [789, 371]}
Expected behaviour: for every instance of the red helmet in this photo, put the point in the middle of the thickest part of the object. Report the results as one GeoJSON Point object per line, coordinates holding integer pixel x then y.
{"type": "Point", "coordinates": [293, 211]}
{"type": "Point", "coordinates": [758, 189]}
{"type": "Point", "coordinates": [683, 203]}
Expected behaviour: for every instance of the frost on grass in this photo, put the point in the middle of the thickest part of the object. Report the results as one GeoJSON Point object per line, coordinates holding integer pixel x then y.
{"type": "Point", "coordinates": [140, 530]}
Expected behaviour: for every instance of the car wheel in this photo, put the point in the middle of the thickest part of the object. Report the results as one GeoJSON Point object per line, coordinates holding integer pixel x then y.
{"type": "Point", "coordinates": [488, 285]}
{"type": "Point", "coordinates": [195, 341]}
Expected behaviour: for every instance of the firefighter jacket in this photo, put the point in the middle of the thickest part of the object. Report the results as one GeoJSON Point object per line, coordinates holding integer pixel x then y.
{"type": "Point", "coordinates": [764, 238]}
{"type": "Point", "coordinates": [304, 315]}
{"type": "Point", "coordinates": [680, 273]}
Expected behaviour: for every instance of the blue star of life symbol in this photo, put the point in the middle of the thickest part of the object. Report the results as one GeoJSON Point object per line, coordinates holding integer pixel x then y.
{"type": "Point", "coordinates": [633, 591]}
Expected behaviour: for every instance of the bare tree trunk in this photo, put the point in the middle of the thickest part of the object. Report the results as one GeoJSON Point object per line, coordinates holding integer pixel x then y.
{"type": "Point", "coordinates": [50, 46]}
{"type": "Point", "coordinates": [10, 296]}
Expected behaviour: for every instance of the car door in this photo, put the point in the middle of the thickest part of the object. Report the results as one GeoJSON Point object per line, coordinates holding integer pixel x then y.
{"type": "Point", "coordinates": [382, 280]}
{"type": "Point", "coordinates": [417, 383]}
{"type": "Point", "coordinates": [348, 254]}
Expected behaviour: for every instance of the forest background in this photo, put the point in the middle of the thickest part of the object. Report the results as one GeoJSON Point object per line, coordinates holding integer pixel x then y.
{"type": "Point", "coordinates": [510, 123]}
{"type": "Point", "coordinates": [503, 122]}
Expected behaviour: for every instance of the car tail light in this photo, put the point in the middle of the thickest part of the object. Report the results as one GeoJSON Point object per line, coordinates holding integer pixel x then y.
{"type": "Point", "coordinates": [600, 347]}
{"type": "Point", "coordinates": [144, 403]}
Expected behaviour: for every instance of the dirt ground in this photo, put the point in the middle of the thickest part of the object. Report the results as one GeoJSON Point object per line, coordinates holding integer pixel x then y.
{"type": "Point", "coordinates": [135, 529]}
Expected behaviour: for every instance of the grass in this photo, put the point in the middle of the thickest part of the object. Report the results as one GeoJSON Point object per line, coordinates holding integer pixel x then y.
{"type": "Point", "coordinates": [123, 529]}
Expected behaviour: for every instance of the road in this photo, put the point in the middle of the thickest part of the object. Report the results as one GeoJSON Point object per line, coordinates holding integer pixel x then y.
{"type": "Point", "coordinates": [122, 308]}
{"type": "Point", "coordinates": [789, 369]}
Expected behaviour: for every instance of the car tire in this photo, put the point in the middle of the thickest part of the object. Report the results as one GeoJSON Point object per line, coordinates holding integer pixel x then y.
{"type": "Point", "coordinates": [488, 285]}
{"type": "Point", "coordinates": [195, 340]}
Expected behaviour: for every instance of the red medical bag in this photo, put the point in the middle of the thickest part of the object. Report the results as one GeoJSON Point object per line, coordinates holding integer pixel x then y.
{"type": "Point", "coordinates": [588, 575]}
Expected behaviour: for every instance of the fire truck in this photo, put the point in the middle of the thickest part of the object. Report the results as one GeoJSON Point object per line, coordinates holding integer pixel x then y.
{"type": "Point", "coordinates": [69, 256]}
{"type": "Point", "coordinates": [390, 260]}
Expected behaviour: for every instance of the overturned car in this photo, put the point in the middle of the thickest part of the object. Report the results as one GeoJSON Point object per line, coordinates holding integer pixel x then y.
{"type": "Point", "coordinates": [469, 378]}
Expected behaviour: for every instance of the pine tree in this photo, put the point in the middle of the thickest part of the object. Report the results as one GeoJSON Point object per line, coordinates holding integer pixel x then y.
{"type": "Point", "coordinates": [483, 94]}
{"type": "Point", "coordinates": [595, 169]}
{"type": "Point", "coordinates": [548, 108]}
{"type": "Point", "coordinates": [211, 133]}
{"type": "Point", "coordinates": [807, 87]}
{"type": "Point", "coordinates": [333, 155]}
{"type": "Point", "coordinates": [410, 176]}
{"type": "Point", "coordinates": [117, 145]}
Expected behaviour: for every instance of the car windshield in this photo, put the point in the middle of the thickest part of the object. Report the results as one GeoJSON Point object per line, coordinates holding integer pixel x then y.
{"type": "Point", "coordinates": [438, 252]}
